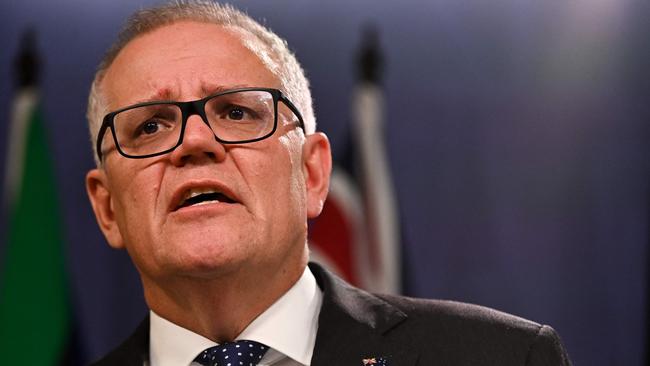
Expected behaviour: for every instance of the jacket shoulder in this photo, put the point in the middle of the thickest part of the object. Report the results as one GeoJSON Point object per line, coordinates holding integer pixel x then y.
{"type": "Point", "coordinates": [426, 332]}
{"type": "Point", "coordinates": [460, 314]}
{"type": "Point", "coordinates": [476, 334]}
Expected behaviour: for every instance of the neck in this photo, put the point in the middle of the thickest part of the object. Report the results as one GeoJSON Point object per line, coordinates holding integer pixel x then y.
{"type": "Point", "coordinates": [220, 308]}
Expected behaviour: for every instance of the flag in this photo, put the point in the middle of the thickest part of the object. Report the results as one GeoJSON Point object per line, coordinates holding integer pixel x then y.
{"type": "Point", "coordinates": [358, 233]}
{"type": "Point", "coordinates": [34, 313]}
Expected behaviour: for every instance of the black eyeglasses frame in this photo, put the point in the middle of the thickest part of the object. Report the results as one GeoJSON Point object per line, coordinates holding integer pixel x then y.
{"type": "Point", "coordinates": [191, 108]}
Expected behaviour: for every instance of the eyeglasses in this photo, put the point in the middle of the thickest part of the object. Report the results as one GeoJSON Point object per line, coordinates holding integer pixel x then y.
{"type": "Point", "coordinates": [235, 116]}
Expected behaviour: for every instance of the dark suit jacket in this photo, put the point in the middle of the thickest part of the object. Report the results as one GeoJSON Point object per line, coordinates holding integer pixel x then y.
{"type": "Point", "coordinates": [355, 325]}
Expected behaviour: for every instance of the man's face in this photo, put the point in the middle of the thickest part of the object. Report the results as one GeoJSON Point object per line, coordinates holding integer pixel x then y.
{"type": "Point", "coordinates": [269, 184]}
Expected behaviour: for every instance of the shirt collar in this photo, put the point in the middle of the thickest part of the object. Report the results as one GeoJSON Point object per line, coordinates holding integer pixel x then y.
{"type": "Point", "coordinates": [288, 326]}
{"type": "Point", "coordinates": [170, 344]}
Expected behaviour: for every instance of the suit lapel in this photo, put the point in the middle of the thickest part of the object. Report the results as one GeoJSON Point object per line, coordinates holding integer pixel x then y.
{"type": "Point", "coordinates": [133, 352]}
{"type": "Point", "coordinates": [354, 325]}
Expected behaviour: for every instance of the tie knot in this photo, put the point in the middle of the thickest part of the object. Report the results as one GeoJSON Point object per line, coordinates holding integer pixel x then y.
{"type": "Point", "coordinates": [240, 353]}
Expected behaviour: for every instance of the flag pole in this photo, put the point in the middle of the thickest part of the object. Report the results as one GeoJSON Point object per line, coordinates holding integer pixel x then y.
{"type": "Point", "coordinates": [34, 303]}
{"type": "Point", "coordinates": [27, 72]}
{"type": "Point", "coordinates": [373, 169]}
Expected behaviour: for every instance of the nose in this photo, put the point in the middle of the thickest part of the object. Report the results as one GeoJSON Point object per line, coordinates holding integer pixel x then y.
{"type": "Point", "coordinates": [199, 144]}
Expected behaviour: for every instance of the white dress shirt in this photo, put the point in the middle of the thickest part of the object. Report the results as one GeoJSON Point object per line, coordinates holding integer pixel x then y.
{"type": "Point", "coordinates": [288, 327]}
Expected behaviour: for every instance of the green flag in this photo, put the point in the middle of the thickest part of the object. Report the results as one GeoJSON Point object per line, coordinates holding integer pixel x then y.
{"type": "Point", "coordinates": [34, 315]}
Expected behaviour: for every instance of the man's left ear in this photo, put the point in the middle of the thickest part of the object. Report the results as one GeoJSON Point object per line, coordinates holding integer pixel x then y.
{"type": "Point", "coordinates": [317, 167]}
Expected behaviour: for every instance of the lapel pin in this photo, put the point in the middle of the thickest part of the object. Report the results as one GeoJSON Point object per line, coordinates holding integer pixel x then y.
{"type": "Point", "coordinates": [375, 361]}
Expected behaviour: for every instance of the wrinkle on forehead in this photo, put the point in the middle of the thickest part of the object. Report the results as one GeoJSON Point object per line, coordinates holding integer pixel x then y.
{"type": "Point", "coordinates": [173, 93]}
{"type": "Point", "coordinates": [172, 90]}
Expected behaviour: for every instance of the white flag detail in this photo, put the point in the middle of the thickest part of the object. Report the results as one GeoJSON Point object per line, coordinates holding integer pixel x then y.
{"type": "Point", "coordinates": [358, 235]}
{"type": "Point", "coordinates": [382, 228]}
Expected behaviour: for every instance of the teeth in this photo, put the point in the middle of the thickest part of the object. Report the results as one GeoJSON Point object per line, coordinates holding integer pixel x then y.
{"type": "Point", "coordinates": [203, 203]}
{"type": "Point", "coordinates": [197, 191]}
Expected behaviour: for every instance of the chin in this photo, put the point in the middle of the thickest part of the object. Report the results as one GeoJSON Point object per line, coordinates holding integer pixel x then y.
{"type": "Point", "coordinates": [206, 258]}
{"type": "Point", "coordinates": [199, 267]}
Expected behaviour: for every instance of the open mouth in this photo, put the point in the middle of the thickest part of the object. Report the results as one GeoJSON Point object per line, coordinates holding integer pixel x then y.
{"type": "Point", "coordinates": [202, 196]}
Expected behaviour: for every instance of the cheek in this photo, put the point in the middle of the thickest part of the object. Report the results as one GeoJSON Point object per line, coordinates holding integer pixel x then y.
{"type": "Point", "coordinates": [274, 177]}
{"type": "Point", "coordinates": [144, 194]}
{"type": "Point", "coordinates": [297, 191]}
{"type": "Point", "coordinates": [136, 199]}
{"type": "Point", "coordinates": [294, 185]}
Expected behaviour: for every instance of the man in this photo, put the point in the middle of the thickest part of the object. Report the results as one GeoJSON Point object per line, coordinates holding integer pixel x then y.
{"type": "Point", "coordinates": [208, 168]}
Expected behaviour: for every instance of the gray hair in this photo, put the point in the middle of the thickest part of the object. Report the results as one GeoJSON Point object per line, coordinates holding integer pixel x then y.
{"type": "Point", "coordinates": [272, 50]}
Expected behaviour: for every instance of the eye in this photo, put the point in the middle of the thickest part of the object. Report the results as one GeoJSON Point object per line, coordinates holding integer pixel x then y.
{"type": "Point", "coordinates": [150, 127]}
{"type": "Point", "coordinates": [236, 113]}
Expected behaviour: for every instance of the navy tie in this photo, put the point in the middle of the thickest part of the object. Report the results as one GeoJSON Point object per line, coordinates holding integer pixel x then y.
{"type": "Point", "coordinates": [240, 353]}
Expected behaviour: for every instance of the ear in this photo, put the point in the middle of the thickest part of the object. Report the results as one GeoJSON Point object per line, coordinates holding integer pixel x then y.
{"type": "Point", "coordinates": [101, 199]}
{"type": "Point", "coordinates": [317, 167]}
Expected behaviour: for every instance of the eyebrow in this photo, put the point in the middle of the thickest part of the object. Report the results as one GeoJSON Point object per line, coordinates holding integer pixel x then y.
{"type": "Point", "coordinates": [161, 95]}
{"type": "Point", "coordinates": [209, 89]}
{"type": "Point", "coordinates": [166, 94]}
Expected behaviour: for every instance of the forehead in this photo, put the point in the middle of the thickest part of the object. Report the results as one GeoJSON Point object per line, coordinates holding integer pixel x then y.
{"type": "Point", "coordinates": [183, 61]}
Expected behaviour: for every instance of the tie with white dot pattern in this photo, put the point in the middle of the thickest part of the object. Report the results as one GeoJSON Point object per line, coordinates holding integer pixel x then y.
{"type": "Point", "coordinates": [240, 353]}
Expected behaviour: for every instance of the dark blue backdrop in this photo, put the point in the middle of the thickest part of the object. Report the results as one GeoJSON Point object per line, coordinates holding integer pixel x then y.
{"type": "Point", "coordinates": [517, 131]}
